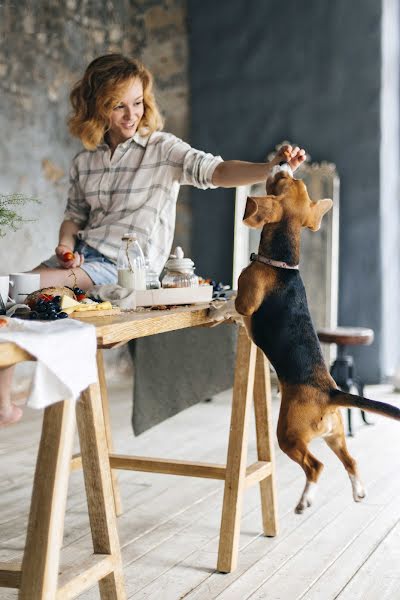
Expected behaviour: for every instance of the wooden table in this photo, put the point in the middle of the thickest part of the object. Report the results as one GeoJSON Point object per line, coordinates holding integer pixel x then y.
{"type": "Point", "coordinates": [37, 576]}
{"type": "Point", "coordinates": [252, 380]}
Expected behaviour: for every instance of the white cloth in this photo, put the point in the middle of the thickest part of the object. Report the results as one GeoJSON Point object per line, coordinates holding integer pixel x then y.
{"type": "Point", "coordinates": [116, 294]}
{"type": "Point", "coordinates": [65, 351]}
{"type": "Point", "coordinates": [135, 191]}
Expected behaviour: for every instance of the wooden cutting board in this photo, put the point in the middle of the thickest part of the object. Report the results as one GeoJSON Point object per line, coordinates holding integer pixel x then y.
{"type": "Point", "coordinates": [94, 313]}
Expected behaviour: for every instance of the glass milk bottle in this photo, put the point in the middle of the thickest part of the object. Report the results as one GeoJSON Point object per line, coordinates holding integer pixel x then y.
{"type": "Point", "coordinates": [131, 264]}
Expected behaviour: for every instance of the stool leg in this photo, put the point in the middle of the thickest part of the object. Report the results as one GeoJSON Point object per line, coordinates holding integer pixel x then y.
{"type": "Point", "coordinates": [360, 390]}
{"type": "Point", "coordinates": [237, 454]}
{"type": "Point", "coordinates": [265, 446]}
{"type": "Point", "coordinates": [342, 379]}
{"type": "Point", "coordinates": [349, 422]}
{"type": "Point", "coordinates": [44, 539]}
{"type": "Point", "coordinates": [107, 423]}
{"type": "Point", "coordinates": [99, 492]}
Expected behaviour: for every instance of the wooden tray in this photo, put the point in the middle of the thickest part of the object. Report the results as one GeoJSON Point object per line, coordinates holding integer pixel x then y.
{"type": "Point", "coordinates": [174, 296]}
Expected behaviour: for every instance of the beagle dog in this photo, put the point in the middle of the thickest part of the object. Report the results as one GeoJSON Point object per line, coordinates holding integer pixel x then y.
{"type": "Point", "coordinates": [272, 302]}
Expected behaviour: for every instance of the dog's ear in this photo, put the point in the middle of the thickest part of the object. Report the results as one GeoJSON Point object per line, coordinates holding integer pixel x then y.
{"type": "Point", "coordinates": [251, 208]}
{"type": "Point", "coordinates": [316, 212]}
{"type": "Point", "coordinates": [261, 210]}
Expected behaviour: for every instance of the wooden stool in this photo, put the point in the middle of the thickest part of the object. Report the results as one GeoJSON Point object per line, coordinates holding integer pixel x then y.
{"type": "Point", "coordinates": [252, 381]}
{"type": "Point", "coordinates": [343, 369]}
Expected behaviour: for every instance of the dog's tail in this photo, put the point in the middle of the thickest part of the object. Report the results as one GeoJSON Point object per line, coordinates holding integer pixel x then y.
{"type": "Point", "coordinates": [339, 398]}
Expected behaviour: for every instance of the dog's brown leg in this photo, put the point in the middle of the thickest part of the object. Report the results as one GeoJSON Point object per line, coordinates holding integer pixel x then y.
{"type": "Point", "coordinates": [337, 443]}
{"type": "Point", "coordinates": [311, 466]}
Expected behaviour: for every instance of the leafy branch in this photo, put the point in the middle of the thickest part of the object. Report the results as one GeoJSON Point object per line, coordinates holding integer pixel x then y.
{"type": "Point", "coordinates": [9, 217]}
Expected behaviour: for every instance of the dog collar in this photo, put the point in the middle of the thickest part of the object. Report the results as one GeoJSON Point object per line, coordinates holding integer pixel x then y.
{"type": "Point", "coordinates": [272, 262]}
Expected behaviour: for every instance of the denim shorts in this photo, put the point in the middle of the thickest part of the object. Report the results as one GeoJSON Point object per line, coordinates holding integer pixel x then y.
{"type": "Point", "coordinates": [101, 270]}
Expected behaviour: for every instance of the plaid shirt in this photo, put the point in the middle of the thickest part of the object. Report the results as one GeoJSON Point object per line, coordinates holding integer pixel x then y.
{"type": "Point", "coordinates": [135, 191]}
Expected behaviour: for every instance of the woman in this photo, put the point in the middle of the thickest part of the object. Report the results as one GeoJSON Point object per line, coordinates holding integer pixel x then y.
{"type": "Point", "coordinates": [126, 179]}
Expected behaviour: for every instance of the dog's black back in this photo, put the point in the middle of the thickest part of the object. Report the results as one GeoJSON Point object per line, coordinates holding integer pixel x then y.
{"type": "Point", "coordinates": [283, 329]}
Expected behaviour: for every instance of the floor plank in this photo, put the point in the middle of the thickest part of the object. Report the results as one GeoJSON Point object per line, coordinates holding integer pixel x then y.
{"type": "Point", "coordinates": [169, 529]}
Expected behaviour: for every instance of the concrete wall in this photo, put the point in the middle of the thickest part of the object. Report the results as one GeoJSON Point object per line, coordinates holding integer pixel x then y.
{"type": "Point", "coordinates": [44, 48]}
{"type": "Point", "coordinates": [309, 72]}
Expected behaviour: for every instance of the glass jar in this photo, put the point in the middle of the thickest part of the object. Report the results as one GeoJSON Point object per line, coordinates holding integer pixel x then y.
{"type": "Point", "coordinates": [130, 264]}
{"type": "Point", "coordinates": [152, 281]}
{"type": "Point", "coordinates": [179, 271]}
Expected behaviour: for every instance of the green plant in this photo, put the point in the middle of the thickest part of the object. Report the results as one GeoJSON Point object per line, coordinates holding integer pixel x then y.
{"type": "Point", "coordinates": [9, 217]}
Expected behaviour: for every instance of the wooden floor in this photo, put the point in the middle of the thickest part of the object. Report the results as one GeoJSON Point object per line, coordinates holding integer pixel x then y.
{"type": "Point", "coordinates": [169, 530]}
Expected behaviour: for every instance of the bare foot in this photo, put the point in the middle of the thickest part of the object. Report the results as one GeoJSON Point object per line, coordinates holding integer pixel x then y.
{"type": "Point", "coordinates": [10, 415]}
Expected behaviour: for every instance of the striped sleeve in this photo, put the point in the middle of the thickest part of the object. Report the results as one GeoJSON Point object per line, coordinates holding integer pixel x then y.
{"type": "Point", "coordinates": [77, 209]}
{"type": "Point", "coordinates": [196, 167]}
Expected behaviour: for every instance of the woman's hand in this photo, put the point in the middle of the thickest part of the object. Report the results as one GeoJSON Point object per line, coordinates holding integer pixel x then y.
{"type": "Point", "coordinates": [67, 258]}
{"type": "Point", "coordinates": [293, 156]}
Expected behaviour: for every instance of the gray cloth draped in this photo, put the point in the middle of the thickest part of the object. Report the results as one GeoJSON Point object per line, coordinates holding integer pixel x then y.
{"type": "Point", "coordinates": [178, 369]}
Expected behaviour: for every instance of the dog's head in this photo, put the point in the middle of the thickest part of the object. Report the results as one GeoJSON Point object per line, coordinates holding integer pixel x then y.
{"type": "Point", "coordinates": [287, 199]}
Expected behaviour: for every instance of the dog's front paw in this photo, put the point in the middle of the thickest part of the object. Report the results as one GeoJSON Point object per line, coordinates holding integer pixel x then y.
{"type": "Point", "coordinates": [224, 310]}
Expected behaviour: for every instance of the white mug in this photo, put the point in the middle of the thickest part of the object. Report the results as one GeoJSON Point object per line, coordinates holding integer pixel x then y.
{"type": "Point", "coordinates": [22, 284]}
{"type": "Point", "coordinates": [4, 285]}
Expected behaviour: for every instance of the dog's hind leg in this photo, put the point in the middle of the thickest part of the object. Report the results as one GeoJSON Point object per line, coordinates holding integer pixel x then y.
{"type": "Point", "coordinates": [311, 466]}
{"type": "Point", "coordinates": [337, 444]}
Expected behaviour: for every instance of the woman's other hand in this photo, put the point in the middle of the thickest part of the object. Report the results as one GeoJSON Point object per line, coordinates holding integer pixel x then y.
{"type": "Point", "coordinates": [67, 258]}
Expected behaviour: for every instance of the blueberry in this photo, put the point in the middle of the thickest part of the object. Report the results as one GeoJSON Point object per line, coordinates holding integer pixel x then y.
{"type": "Point", "coordinates": [56, 298]}
{"type": "Point", "coordinates": [62, 315]}
{"type": "Point", "coordinates": [34, 315]}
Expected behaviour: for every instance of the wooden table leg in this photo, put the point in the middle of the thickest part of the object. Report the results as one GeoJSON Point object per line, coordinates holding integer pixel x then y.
{"type": "Point", "coordinates": [99, 492]}
{"type": "Point", "coordinates": [46, 519]}
{"type": "Point", "coordinates": [265, 447]}
{"type": "Point", "coordinates": [107, 423]}
{"type": "Point", "coordinates": [237, 453]}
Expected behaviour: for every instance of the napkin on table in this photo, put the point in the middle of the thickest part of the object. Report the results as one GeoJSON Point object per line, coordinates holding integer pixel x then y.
{"type": "Point", "coordinates": [65, 352]}
{"type": "Point", "coordinates": [122, 297]}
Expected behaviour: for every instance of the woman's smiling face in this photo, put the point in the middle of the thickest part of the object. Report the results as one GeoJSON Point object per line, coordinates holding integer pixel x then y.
{"type": "Point", "coordinates": [127, 114]}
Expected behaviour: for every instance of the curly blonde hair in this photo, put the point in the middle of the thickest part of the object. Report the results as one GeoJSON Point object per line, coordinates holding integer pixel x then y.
{"type": "Point", "coordinates": [95, 95]}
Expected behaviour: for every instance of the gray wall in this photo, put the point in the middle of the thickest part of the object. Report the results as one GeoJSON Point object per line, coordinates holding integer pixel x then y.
{"type": "Point", "coordinates": [309, 72]}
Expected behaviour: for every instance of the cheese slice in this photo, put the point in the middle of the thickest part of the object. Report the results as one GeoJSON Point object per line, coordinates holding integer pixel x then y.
{"type": "Point", "coordinates": [80, 307]}
{"type": "Point", "coordinates": [66, 301]}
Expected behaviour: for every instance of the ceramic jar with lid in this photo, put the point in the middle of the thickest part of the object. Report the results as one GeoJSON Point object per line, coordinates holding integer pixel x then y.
{"type": "Point", "coordinates": [179, 271]}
